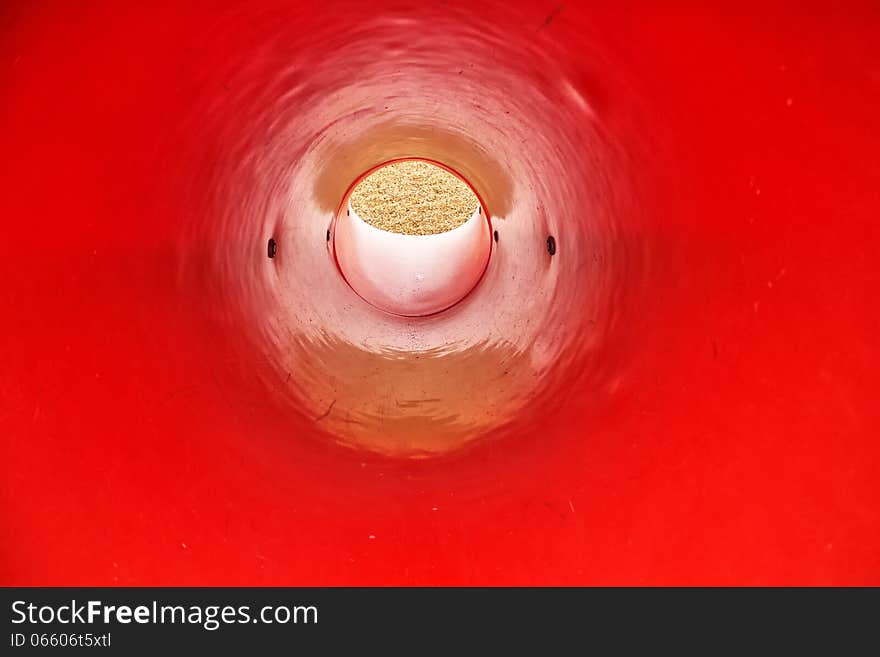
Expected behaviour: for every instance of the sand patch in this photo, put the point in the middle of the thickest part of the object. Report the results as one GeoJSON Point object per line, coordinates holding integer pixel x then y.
{"type": "Point", "coordinates": [413, 198]}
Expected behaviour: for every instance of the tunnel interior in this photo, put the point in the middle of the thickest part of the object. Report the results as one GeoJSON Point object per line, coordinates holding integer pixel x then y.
{"type": "Point", "coordinates": [665, 373]}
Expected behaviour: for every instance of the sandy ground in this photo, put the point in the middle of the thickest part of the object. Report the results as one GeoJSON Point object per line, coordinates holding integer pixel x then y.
{"type": "Point", "coordinates": [413, 198]}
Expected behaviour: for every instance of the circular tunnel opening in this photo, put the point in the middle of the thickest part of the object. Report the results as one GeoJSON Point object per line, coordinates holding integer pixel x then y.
{"type": "Point", "coordinates": [411, 237]}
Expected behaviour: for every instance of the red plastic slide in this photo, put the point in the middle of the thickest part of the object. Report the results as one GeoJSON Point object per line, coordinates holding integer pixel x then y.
{"type": "Point", "coordinates": [668, 373]}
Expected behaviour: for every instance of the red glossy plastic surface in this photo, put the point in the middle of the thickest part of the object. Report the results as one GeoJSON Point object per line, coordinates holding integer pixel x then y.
{"type": "Point", "coordinates": [686, 392]}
